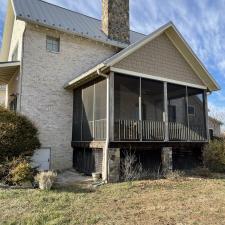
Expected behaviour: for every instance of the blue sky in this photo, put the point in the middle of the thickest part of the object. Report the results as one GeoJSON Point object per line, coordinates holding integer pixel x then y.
{"type": "Point", "coordinates": [202, 23]}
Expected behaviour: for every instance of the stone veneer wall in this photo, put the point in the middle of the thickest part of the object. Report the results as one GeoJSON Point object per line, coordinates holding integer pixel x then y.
{"type": "Point", "coordinates": [115, 19]}
{"type": "Point", "coordinates": [113, 165]}
{"type": "Point", "coordinates": [43, 98]}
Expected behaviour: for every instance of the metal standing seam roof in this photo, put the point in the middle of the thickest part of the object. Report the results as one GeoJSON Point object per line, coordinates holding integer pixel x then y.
{"type": "Point", "coordinates": [56, 17]}
{"type": "Point", "coordinates": [208, 79]}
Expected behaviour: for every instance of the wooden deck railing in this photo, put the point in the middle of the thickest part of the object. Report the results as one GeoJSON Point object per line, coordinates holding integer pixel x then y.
{"type": "Point", "coordinates": [153, 130]}
{"type": "Point", "coordinates": [94, 130]}
{"type": "Point", "coordinates": [146, 130]}
{"type": "Point", "coordinates": [127, 130]}
{"type": "Point", "coordinates": [135, 130]}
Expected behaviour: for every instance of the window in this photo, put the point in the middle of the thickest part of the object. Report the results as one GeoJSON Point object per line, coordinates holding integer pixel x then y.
{"type": "Point", "coordinates": [52, 44]}
{"type": "Point", "coordinates": [15, 54]}
{"type": "Point", "coordinates": [191, 110]}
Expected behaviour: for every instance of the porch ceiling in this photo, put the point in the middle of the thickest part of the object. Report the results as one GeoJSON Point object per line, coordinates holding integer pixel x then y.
{"type": "Point", "coordinates": [7, 70]}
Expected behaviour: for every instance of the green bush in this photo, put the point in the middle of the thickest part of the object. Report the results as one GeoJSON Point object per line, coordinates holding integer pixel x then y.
{"type": "Point", "coordinates": [214, 156]}
{"type": "Point", "coordinates": [18, 135]}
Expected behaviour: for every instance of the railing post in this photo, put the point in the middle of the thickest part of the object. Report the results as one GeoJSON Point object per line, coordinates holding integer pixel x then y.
{"type": "Point", "coordinates": [166, 113]}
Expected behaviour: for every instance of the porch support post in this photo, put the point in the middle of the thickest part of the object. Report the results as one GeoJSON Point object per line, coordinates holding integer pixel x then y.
{"type": "Point", "coordinates": [167, 159]}
{"type": "Point", "coordinates": [105, 166]}
{"type": "Point", "coordinates": [166, 113]}
{"type": "Point", "coordinates": [206, 114]}
{"type": "Point", "coordinates": [113, 165]}
{"type": "Point", "coordinates": [111, 106]}
{"type": "Point", "coordinates": [140, 111]}
{"type": "Point", "coordinates": [6, 96]}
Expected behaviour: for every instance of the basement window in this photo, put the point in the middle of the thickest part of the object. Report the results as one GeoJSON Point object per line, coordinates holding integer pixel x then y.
{"type": "Point", "coordinates": [52, 44]}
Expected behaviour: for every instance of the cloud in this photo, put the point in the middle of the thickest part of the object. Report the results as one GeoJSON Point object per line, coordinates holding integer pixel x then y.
{"type": "Point", "coordinates": [200, 22]}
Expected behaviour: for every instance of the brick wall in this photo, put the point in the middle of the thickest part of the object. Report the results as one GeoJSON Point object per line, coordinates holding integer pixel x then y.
{"type": "Point", "coordinates": [43, 98]}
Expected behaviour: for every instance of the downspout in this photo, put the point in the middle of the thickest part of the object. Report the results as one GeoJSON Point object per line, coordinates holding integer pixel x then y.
{"type": "Point", "coordinates": [107, 125]}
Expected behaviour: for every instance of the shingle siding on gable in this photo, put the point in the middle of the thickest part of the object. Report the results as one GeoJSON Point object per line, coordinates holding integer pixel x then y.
{"type": "Point", "coordinates": [44, 100]}
{"type": "Point", "coordinates": [160, 58]}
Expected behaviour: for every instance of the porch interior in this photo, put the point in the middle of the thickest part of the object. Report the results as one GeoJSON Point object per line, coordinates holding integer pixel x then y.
{"type": "Point", "coordinates": [140, 110]}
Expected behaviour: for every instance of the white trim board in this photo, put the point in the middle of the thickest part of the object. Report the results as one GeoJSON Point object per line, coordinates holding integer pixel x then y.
{"type": "Point", "coordinates": [152, 77]}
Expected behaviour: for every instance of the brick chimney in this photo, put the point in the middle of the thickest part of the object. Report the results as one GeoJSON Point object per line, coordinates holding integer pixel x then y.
{"type": "Point", "coordinates": [115, 20]}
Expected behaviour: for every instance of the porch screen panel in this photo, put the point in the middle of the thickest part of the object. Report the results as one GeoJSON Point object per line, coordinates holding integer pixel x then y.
{"type": "Point", "coordinates": [77, 115]}
{"type": "Point", "coordinates": [100, 110]}
{"type": "Point", "coordinates": [152, 96]}
{"type": "Point", "coordinates": [87, 117]}
{"type": "Point", "coordinates": [126, 108]}
{"type": "Point", "coordinates": [196, 114]}
{"type": "Point", "coordinates": [177, 113]}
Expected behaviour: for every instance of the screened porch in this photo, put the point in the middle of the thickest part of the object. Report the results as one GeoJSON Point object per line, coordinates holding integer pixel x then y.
{"type": "Point", "coordinates": [140, 110]}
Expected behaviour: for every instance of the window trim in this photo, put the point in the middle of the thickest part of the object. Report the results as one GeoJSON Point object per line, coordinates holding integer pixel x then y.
{"type": "Point", "coordinates": [53, 38]}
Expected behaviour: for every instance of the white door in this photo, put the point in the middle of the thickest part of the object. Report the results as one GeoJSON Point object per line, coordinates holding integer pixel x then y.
{"type": "Point", "coordinates": [41, 159]}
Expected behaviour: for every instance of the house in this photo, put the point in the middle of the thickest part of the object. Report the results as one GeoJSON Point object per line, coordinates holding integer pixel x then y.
{"type": "Point", "coordinates": [96, 89]}
{"type": "Point", "coordinates": [215, 127]}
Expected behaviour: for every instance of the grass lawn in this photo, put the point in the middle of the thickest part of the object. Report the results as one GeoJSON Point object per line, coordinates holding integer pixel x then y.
{"type": "Point", "coordinates": [191, 201]}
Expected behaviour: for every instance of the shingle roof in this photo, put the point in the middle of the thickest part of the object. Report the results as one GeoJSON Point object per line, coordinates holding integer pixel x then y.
{"type": "Point", "coordinates": [52, 16]}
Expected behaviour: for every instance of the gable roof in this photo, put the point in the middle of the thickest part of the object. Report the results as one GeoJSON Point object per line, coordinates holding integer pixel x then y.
{"type": "Point", "coordinates": [56, 17]}
{"type": "Point", "coordinates": [178, 41]}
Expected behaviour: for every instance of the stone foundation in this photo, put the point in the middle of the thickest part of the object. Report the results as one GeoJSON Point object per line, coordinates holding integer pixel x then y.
{"type": "Point", "coordinates": [167, 160]}
{"type": "Point", "coordinates": [113, 165]}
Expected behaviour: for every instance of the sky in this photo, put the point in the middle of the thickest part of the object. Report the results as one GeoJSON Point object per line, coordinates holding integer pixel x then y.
{"type": "Point", "coordinates": [202, 24]}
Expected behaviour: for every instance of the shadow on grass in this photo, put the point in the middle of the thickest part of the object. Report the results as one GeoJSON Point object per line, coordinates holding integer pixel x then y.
{"type": "Point", "coordinates": [78, 188]}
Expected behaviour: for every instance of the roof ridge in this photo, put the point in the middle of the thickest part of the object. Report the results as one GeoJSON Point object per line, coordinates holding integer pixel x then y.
{"type": "Point", "coordinates": [58, 6]}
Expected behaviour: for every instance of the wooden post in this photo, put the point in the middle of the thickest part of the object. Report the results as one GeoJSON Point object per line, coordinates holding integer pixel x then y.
{"type": "Point", "coordinates": [111, 106]}
{"type": "Point", "coordinates": [140, 112]}
{"type": "Point", "coordinates": [106, 148]}
{"type": "Point", "coordinates": [205, 100]}
{"type": "Point", "coordinates": [187, 114]}
{"type": "Point", "coordinates": [166, 113]}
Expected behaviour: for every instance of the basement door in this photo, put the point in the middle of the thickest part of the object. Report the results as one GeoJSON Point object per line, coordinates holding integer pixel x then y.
{"type": "Point", "coordinates": [41, 159]}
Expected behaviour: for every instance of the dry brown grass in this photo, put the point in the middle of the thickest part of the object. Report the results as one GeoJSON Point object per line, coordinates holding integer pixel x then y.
{"type": "Point", "coordinates": [189, 201]}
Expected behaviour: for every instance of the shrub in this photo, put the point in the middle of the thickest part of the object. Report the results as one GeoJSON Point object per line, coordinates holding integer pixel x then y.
{"type": "Point", "coordinates": [16, 171]}
{"type": "Point", "coordinates": [201, 171]}
{"type": "Point", "coordinates": [18, 135]}
{"type": "Point", "coordinates": [46, 179]}
{"type": "Point", "coordinates": [214, 156]}
{"type": "Point", "coordinates": [131, 168]}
